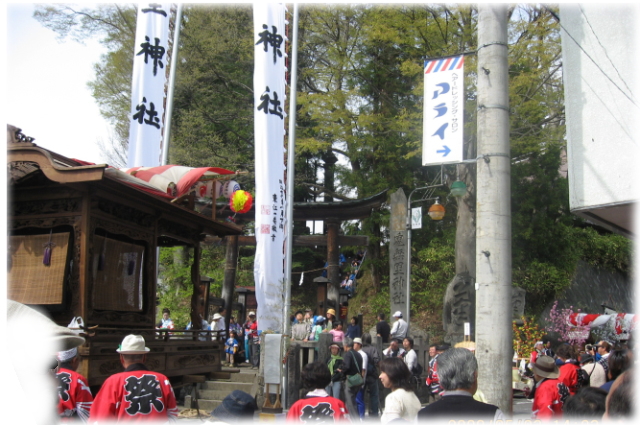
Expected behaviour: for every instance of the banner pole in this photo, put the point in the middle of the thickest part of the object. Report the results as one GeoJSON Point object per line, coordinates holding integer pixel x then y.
{"type": "Point", "coordinates": [293, 88]}
{"type": "Point", "coordinates": [172, 83]}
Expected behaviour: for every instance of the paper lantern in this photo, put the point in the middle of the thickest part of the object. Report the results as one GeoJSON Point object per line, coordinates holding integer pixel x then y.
{"type": "Point", "coordinates": [228, 188]}
{"type": "Point", "coordinates": [458, 189]}
{"type": "Point", "coordinates": [240, 201]}
{"type": "Point", "coordinates": [436, 212]}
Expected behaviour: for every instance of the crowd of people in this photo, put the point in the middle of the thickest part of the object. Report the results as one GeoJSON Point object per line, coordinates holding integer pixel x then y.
{"type": "Point", "coordinates": [592, 382]}
{"type": "Point", "coordinates": [589, 383]}
{"type": "Point", "coordinates": [356, 374]}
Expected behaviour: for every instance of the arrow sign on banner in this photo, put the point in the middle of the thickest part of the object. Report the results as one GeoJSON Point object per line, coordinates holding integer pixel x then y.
{"type": "Point", "coordinates": [446, 150]}
{"type": "Point", "coordinates": [443, 114]}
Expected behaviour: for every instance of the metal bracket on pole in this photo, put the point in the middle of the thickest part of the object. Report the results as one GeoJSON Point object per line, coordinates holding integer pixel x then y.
{"type": "Point", "coordinates": [425, 197]}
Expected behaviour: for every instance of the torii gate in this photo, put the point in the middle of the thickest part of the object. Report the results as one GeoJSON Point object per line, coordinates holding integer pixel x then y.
{"type": "Point", "coordinates": [332, 213]}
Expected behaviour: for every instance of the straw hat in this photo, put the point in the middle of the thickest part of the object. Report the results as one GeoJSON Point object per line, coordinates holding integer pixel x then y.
{"type": "Point", "coordinates": [546, 367]}
{"type": "Point", "coordinates": [133, 344]}
{"type": "Point", "coordinates": [331, 311]}
{"type": "Point", "coordinates": [469, 345]}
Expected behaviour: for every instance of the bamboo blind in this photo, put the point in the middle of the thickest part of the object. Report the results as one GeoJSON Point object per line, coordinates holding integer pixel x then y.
{"type": "Point", "coordinates": [117, 275]}
{"type": "Point", "coordinates": [29, 280]}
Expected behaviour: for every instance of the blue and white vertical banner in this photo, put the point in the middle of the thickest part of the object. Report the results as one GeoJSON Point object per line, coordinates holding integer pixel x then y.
{"type": "Point", "coordinates": [269, 129]}
{"type": "Point", "coordinates": [148, 85]}
{"type": "Point", "coordinates": [443, 111]}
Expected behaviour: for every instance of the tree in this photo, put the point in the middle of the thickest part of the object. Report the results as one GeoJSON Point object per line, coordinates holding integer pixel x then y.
{"type": "Point", "coordinates": [116, 25]}
{"type": "Point", "coordinates": [213, 104]}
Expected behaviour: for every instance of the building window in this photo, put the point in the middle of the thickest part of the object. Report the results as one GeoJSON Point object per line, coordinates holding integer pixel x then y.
{"type": "Point", "coordinates": [32, 279]}
{"type": "Point", "coordinates": [117, 274]}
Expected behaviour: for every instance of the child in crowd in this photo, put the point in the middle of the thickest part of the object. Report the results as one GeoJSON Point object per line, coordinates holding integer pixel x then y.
{"type": "Point", "coordinates": [338, 334]}
{"type": "Point", "coordinates": [316, 330]}
{"type": "Point", "coordinates": [231, 348]}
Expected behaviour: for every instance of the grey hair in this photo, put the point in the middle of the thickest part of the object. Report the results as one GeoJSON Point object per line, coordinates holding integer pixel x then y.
{"type": "Point", "coordinates": [366, 339]}
{"type": "Point", "coordinates": [457, 368]}
{"type": "Point", "coordinates": [347, 342]}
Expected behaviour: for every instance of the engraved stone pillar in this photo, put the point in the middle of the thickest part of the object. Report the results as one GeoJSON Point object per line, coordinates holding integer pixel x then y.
{"type": "Point", "coordinates": [398, 255]}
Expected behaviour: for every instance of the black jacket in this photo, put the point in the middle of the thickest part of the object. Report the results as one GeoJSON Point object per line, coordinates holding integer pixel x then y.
{"type": "Point", "coordinates": [337, 375]}
{"type": "Point", "coordinates": [458, 407]}
{"type": "Point", "coordinates": [351, 367]}
{"type": "Point", "coordinates": [384, 330]}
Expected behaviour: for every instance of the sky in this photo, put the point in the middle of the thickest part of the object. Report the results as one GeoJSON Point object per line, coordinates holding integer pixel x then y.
{"type": "Point", "coordinates": [46, 93]}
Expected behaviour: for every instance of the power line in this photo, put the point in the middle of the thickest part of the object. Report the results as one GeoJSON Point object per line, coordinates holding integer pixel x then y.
{"type": "Point", "coordinates": [590, 58]}
{"type": "Point", "coordinates": [604, 49]}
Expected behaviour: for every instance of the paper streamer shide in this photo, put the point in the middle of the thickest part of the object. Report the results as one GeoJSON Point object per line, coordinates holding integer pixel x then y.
{"type": "Point", "coordinates": [148, 85]}
{"type": "Point", "coordinates": [269, 115]}
{"type": "Point", "coordinates": [623, 323]}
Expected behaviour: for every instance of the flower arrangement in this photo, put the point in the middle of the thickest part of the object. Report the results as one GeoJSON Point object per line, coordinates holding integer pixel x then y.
{"type": "Point", "coordinates": [559, 322]}
{"type": "Point", "coordinates": [525, 336]}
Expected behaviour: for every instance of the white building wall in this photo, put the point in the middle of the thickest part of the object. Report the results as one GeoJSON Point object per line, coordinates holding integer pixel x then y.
{"type": "Point", "coordinates": [599, 43]}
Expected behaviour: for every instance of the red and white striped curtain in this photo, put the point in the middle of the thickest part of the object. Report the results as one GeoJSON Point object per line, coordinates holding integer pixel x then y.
{"type": "Point", "coordinates": [623, 323]}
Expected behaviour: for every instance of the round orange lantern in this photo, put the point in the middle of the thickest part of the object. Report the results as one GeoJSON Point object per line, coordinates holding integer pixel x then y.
{"type": "Point", "coordinates": [436, 212]}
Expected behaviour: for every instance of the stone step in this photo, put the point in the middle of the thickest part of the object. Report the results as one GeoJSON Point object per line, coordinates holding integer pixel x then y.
{"type": "Point", "coordinates": [236, 377]}
{"type": "Point", "coordinates": [229, 387]}
{"type": "Point", "coordinates": [208, 405]}
{"type": "Point", "coordinates": [219, 394]}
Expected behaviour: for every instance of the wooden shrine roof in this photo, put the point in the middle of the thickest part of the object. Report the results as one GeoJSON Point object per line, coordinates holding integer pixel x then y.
{"type": "Point", "coordinates": [26, 160]}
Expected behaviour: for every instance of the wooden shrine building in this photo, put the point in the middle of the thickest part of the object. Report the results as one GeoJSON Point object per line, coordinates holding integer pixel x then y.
{"type": "Point", "coordinates": [83, 241]}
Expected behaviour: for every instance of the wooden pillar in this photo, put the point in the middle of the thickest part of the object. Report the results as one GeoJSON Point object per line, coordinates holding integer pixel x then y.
{"type": "Point", "coordinates": [293, 374]}
{"type": "Point", "coordinates": [333, 266]}
{"type": "Point", "coordinates": [231, 262]}
{"type": "Point", "coordinates": [196, 310]}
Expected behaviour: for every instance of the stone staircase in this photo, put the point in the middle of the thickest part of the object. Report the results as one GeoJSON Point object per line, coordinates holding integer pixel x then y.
{"type": "Point", "coordinates": [213, 391]}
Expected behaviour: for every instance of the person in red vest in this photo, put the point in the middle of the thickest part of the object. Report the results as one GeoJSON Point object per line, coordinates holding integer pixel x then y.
{"type": "Point", "coordinates": [569, 368]}
{"type": "Point", "coordinates": [74, 395]}
{"type": "Point", "coordinates": [137, 393]}
{"type": "Point", "coordinates": [548, 393]}
{"type": "Point", "coordinates": [317, 406]}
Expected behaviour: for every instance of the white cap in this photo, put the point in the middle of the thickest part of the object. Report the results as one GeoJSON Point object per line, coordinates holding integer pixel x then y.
{"type": "Point", "coordinates": [133, 344]}
{"type": "Point", "coordinates": [252, 313]}
{"type": "Point", "coordinates": [397, 314]}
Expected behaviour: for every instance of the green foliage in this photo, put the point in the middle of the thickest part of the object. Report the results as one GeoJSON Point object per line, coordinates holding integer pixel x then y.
{"type": "Point", "coordinates": [213, 103]}
{"type": "Point", "coordinates": [609, 251]}
{"type": "Point", "coordinates": [174, 273]}
{"type": "Point", "coordinates": [360, 93]}
{"type": "Point", "coordinates": [431, 272]}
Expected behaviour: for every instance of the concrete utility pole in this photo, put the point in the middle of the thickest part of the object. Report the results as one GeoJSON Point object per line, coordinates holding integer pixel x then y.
{"type": "Point", "coordinates": [493, 210]}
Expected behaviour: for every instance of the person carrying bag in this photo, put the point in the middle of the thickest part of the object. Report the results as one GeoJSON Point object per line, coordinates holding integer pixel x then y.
{"type": "Point", "coordinates": [356, 379]}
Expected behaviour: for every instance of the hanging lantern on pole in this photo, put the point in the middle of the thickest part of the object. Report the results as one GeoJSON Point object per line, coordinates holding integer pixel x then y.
{"type": "Point", "coordinates": [458, 188]}
{"type": "Point", "coordinates": [228, 188]}
{"type": "Point", "coordinates": [436, 211]}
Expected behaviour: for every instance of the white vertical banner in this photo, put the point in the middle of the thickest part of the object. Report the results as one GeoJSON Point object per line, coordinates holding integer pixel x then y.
{"type": "Point", "coordinates": [148, 85]}
{"type": "Point", "coordinates": [269, 113]}
{"type": "Point", "coordinates": [443, 111]}
{"type": "Point", "coordinates": [416, 218]}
